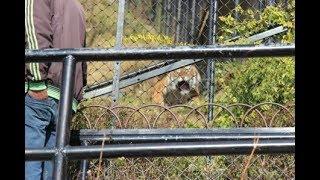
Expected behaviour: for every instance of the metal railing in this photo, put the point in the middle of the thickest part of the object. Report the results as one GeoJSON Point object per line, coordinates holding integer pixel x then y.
{"type": "Point", "coordinates": [63, 151]}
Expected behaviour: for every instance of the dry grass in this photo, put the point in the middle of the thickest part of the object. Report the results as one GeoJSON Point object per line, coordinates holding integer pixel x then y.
{"type": "Point", "coordinates": [244, 174]}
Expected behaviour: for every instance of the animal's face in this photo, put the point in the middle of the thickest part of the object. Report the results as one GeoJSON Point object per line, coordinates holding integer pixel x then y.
{"type": "Point", "coordinates": [183, 85]}
{"type": "Point", "coordinates": [184, 80]}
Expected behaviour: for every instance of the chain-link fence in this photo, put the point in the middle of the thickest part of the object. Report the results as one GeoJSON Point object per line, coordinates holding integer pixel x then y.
{"type": "Point", "coordinates": [173, 22]}
{"type": "Point", "coordinates": [217, 167]}
{"type": "Point", "coordinates": [186, 84]}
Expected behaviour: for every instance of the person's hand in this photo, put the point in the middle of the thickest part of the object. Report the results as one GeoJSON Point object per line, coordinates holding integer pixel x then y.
{"type": "Point", "coordinates": [39, 95]}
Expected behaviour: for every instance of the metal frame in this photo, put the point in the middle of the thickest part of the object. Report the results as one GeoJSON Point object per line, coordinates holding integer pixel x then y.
{"type": "Point", "coordinates": [63, 151]}
{"type": "Point", "coordinates": [122, 136]}
{"type": "Point", "coordinates": [210, 67]}
{"type": "Point", "coordinates": [64, 116]}
{"type": "Point", "coordinates": [173, 142]}
{"type": "Point", "coordinates": [84, 163]}
{"type": "Point", "coordinates": [206, 148]}
{"type": "Point", "coordinates": [141, 54]}
{"type": "Point", "coordinates": [117, 64]}
{"type": "Point", "coordinates": [265, 34]}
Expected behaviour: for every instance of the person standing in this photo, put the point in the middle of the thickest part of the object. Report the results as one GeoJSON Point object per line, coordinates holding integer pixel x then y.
{"type": "Point", "coordinates": [49, 24]}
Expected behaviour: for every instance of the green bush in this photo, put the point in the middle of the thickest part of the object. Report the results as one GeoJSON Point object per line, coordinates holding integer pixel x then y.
{"type": "Point", "coordinates": [254, 21]}
{"type": "Point", "coordinates": [255, 80]}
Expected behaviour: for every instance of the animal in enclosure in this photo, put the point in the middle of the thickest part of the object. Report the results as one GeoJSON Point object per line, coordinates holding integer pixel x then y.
{"type": "Point", "coordinates": [177, 87]}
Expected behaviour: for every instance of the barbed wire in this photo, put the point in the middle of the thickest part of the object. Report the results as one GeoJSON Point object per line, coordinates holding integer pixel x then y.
{"type": "Point", "coordinates": [264, 114]}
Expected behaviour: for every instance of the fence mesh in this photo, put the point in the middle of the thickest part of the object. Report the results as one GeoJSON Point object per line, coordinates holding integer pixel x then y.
{"type": "Point", "coordinates": [158, 23]}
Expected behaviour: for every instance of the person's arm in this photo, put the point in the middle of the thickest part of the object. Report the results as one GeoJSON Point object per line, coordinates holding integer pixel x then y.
{"type": "Point", "coordinates": [39, 33]}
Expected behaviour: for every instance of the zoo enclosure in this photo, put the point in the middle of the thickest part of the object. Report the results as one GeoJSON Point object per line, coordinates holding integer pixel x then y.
{"type": "Point", "coordinates": [176, 27]}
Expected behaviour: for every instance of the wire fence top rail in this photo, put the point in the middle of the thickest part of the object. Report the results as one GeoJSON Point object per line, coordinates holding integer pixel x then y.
{"type": "Point", "coordinates": [178, 52]}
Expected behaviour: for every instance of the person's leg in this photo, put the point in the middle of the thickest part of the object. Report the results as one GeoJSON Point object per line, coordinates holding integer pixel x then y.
{"type": "Point", "coordinates": [37, 118]}
{"type": "Point", "coordinates": [51, 140]}
{"type": "Point", "coordinates": [48, 165]}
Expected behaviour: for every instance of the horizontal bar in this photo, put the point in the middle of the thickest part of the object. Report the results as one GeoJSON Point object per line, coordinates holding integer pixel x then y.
{"type": "Point", "coordinates": [139, 77]}
{"type": "Point", "coordinates": [180, 52]}
{"type": "Point", "coordinates": [178, 138]}
{"type": "Point", "coordinates": [182, 135]}
{"type": "Point", "coordinates": [39, 154]}
{"type": "Point", "coordinates": [216, 131]}
{"type": "Point", "coordinates": [262, 35]}
{"type": "Point", "coordinates": [180, 149]}
{"type": "Point", "coordinates": [171, 149]}
{"type": "Point", "coordinates": [267, 33]}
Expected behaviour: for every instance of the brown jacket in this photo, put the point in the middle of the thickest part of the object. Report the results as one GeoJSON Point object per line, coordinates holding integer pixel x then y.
{"type": "Point", "coordinates": [54, 24]}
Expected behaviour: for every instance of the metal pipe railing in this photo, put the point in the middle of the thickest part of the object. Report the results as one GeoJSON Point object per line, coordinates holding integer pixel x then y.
{"type": "Point", "coordinates": [129, 136]}
{"type": "Point", "coordinates": [39, 154]}
{"type": "Point", "coordinates": [182, 52]}
{"type": "Point", "coordinates": [62, 151]}
{"type": "Point", "coordinates": [64, 117]}
{"type": "Point", "coordinates": [114, 136]}
{"type": "Point", "coordinates": [180, 149]}
{"type": "Point", "coordinates": [171, 149]}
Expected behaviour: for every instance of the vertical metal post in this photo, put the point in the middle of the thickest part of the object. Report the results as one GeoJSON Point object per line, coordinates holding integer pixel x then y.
{"type": "Point", "coordinates": [187, 17]}
{"type": "Point", "coordinates": [117, 64]}
{"type": "Point", "coordinates": [210, 67]}
{"type": "Point", "coordinates": [64, 118]}
{"type": "Point", "coordinates": [193, 15]}
{"type": "Point", "coordinates": [174, 11]}
{"type": "Point", "coordinates": [178, 26]}
{"type": "Point", "coordinates": [163, 18]}
{"type": "Point", "coordinates": [183, 21]}
{"type": "Point", "coordinates": [84, 164]}
{"type": "Point", "coordinates": [236, 3]}
{"type": "Point", "coordinates": [214, 23]}
{"type": "Point", "coordinates": [198, 19]}
{"type": "Point", "coordinates": [118, 45]}
{"type": "Point", "coordinates": [169, 17]}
